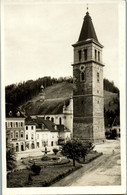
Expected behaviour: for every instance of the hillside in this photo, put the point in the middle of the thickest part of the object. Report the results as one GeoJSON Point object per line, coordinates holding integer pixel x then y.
{"type": "Point", "coordinates": [59, 94]}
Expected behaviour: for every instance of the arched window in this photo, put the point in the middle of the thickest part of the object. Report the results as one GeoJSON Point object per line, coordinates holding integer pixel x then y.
{"type": "Point", "coordinates": [17, 147]}
{"type": "Point", "coordinates": [52, 119]}
{"type": "Point", "coordinates": [21, 135]}
{"type": "Point", "coordinates": [85, 54]}
{"type": "Point", "coordinates": [82, 76]}
{"type": "Point", "coordinates": [98, 56]}
{"type": "Point", "coordinates": [60, 121]}
{"type": "Point", "coordinates": [80, 55]}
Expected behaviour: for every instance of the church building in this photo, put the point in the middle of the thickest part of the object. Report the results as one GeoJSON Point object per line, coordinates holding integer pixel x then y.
{"type": "Point", "coordinates": [88, 100]}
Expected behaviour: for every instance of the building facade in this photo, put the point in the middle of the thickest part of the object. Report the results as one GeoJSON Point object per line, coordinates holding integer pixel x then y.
{"type": "Point", "coordinates": [15, 131]}
{"type": "Point", "coordinates": [88, 100]}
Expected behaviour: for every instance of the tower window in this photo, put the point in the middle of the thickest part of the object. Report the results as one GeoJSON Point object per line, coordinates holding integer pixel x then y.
{"type": "Point", "coordinates": [85, 54]}
{"type": "Point", "coordinates": [82, 76]}
{"type": "Point", "coordinates": [98, 56]}
{"type": "Point", "coordinates": [95, 54]}
{"type": "Point", "coordinates": [60, 121]}
{"type": "Point", "coordinates": [98, 79]}
{"type": "Point", "coordinates": [80, 54]}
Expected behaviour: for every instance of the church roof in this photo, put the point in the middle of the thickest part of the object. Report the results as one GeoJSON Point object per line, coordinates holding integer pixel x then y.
{"type": "Point", "coordinates": [87, 31]}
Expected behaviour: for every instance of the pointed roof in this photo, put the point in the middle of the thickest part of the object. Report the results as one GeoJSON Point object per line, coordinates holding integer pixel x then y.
{"type": "Point", "coordinates": [87, 31]}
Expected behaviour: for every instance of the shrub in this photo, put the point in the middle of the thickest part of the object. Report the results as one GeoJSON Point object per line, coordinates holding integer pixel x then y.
{"type": "Point", "coordinates": [45, 158]}
{"type": "Point", "coordinates": [55, 158]}
{"type": "Point", "coordinates": [36, 169]}
{"type": "Point", "coordinates": [55, 150]}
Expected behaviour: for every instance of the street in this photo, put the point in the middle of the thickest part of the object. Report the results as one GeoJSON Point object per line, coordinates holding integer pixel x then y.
{"type": "Point", "coordinates": [103, 171]}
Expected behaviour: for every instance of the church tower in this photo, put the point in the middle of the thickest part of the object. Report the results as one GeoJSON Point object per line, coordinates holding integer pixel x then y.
{"type": "Point", "coordinates": [88, 100]}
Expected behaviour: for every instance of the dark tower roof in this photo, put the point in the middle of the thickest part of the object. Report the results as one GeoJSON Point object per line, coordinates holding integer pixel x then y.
{"type": "Point", "coordinates": [88, 31]}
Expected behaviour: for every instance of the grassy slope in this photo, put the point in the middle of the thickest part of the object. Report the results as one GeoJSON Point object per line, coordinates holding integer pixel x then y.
{"type": "Point", "coordinates": [57, 94]}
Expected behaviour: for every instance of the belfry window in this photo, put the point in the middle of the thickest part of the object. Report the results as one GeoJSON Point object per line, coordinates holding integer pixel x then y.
{"type": "Point", "coordinates": [98, 79]}
{"type": "Point", "coordinates": [80, 55]}
{"type": "Point", "coordinates": [95, 54]}
{"type": "Point", "coordinates": [85, 54]}
{"type": "Point", "coordinates": [98, 56]}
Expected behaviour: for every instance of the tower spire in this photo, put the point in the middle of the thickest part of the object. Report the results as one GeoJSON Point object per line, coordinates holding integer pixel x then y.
{"type": "Point", "coordinates": [87, 7]}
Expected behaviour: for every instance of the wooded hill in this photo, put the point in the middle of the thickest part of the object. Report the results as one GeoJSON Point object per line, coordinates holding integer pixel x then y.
{"type": "Point", "coordinates": [57, 91]}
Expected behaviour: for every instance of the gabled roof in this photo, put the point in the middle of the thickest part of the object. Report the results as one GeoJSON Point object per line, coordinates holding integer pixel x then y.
{"type": "Point", "coordinates": [87, 31]}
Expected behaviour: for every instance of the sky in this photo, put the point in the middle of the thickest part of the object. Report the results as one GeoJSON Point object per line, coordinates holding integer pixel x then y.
{"type": "Point", "coordinates": [38, 37]}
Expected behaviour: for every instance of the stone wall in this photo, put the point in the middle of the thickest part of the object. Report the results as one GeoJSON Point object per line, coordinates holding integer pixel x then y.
{"type": "Point", "coordinates": [98, 128]}
{"type": "Point", "coordinates": [82, 130]}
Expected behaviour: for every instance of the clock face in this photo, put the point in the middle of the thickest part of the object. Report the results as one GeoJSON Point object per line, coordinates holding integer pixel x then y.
{"type": "Point", "coordinates": [82, 67]}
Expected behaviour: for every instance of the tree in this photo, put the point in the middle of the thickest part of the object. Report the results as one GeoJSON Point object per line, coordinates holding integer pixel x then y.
{"type": "Point", "coordinates": [72, 149]}
{"type": "Point", "coordinates": [86, 148]}
{"type": "Point", "coordinates": [10, 155]}
{"type": "Point", "coordinates": [55, 150]}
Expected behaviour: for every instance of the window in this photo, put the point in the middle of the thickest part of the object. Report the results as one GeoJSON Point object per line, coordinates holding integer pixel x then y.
{"type": "Point", "coordinates": [16, 135]}
{"type": "Point", "coordinates": [11, 124]}
{"type": "Point", "coordinates": [85, 54]}
{"type": "Point", "coordinates": [98, 56]}
{"type": "Point", "coordinates": [16, 124]}
{"type": "Point", "coordinates": [11, 135]}
{"type": "Point", "coordinates": [38, 144]}
{"type": "Point", "coordinates": [37, 136]}
{"type": "Point", "coordinates": [21, 124]}
{"type": "Point", "coordinates": [32, 127]}
{"type": "Point", "coordinates": [52, 119]}
{"type": "Point", "coordinates": [82, 76]}
{"type": "Point", "coordinates": [98, 77]}
{"type": "Point", "coordinates": [21, 135]}
{"type": "Point", "coordinates": [80, 55]}
{"type": "Point", "coordinates": [26, 136]}
{"type": "Point", "coordinates": [52, 143]}
{"type": "Point", "coordinates": [32, 136]}
{"type": "Point", "coordinates": [26, 127]}
{"type": "Point", "coordinates": [95, 54]}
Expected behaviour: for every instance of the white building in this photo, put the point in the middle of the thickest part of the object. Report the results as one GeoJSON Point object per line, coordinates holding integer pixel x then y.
{"type": "Point", "coordinates": [30, 134]}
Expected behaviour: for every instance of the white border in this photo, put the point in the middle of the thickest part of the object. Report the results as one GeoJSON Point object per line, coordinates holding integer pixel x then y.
{"type": "Point", "coordinates": [73, 190]}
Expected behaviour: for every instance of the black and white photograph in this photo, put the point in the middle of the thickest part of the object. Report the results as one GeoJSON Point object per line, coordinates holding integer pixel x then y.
{"type": "Point", "coordinates": [63, 97]}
